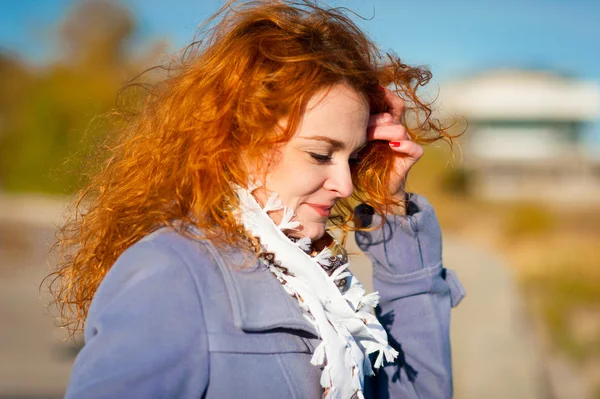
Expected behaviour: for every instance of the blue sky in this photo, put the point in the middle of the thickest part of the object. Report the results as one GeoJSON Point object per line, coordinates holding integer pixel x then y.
{"type": "Point", "coordinates": [453, 37]}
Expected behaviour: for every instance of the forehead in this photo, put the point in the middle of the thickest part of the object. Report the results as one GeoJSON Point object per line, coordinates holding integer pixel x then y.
{"type": "Point", "coordinates": [338, 112]}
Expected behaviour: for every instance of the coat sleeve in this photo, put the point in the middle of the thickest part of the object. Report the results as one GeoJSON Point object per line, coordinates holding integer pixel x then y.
{"type": "Point", "coordinates": [417, 293]}
{"type": "Point", "coordinates": [145, 334]}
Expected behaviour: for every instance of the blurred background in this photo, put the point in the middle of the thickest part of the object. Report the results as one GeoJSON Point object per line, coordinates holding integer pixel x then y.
{"type": "Point", "coordinates": [518, 197]}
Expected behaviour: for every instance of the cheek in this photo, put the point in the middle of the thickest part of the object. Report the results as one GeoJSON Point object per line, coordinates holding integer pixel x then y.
{"type": "Point", "coordinates": [297, 177]}
{"type": "Point", "coordinates": [310, 183]}
{"type": "Point", "coordinates": [296, 183]}
{"type": "Point", "coordinates": [308, 179]}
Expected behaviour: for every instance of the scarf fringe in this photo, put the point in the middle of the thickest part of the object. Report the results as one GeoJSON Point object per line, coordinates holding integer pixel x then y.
{"type": "Point", "coordinates": [349, 332]}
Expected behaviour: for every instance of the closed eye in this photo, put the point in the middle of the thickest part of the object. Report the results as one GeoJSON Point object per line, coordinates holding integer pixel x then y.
{"type": "Point", "coordinates": [320, 158]}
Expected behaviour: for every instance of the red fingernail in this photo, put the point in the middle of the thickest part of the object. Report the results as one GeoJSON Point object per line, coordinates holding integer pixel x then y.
{"type": "Point", "coordinates": [381, 88]}
{"type": "Point", "coordinates": [395, 144]}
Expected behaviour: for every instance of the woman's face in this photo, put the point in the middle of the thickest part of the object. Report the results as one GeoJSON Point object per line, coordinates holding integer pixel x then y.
{"type": "Point", "coordinates": [312, 170]}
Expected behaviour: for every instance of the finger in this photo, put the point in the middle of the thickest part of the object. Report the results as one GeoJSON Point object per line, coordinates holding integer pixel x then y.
{"type": "Point", "coordinates": [409, 148]}
{"type": "Point", "coordinates": [393, 132]}
{"type": "Point", "coordinates": [380, 119]}
{"type": "Point", "coordinates": [395, 103]}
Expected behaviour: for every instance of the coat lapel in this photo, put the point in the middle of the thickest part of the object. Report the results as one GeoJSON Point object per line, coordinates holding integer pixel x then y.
{"type": "Point", "coordinates": [258, 301]}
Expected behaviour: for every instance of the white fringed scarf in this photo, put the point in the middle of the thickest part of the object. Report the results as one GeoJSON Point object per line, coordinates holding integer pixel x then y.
{"type": "Point", "coordinates": [340, 315]}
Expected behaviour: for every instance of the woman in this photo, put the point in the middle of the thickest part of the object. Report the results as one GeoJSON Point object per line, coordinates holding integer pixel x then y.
{"type": "Point", "coordinates": [202, 265]}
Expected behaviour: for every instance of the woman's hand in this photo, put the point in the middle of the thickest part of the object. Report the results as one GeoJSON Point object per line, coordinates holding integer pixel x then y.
{"type": "Point", "coordinates": [387, 126]}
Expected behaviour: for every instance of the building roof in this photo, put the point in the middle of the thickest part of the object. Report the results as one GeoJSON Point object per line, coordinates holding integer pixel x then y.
{"type": "Point", "coordinates": [515, 94]}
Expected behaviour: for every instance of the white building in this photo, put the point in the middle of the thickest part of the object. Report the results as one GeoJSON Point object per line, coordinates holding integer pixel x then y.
{"type": "Point", "coordinates": [524, 137]}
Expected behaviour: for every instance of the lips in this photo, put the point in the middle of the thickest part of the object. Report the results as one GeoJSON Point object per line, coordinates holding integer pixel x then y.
{"type": "Point", "coordinates": [322, 210]}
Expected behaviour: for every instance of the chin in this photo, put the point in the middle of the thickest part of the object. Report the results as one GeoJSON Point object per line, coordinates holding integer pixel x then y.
{"type": "Point", "coordinates": [312, 230]}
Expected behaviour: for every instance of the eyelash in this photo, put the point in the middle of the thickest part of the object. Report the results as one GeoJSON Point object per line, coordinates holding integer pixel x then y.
{"type": "Point", "coordinates": [320, 158]}
{"type": "Point", "coordinates": [326, 159]}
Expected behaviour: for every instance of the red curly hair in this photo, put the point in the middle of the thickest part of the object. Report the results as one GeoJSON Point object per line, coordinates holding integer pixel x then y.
{"type": "Point", "coordinates": [176, 159]}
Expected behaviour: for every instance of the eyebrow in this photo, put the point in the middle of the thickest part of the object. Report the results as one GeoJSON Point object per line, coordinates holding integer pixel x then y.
{"type": "Point", "coordinates": [335, 144]}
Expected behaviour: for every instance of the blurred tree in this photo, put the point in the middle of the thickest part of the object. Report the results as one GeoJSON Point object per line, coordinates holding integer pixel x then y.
{"type": "Point", "coordinates": [50, 120]}
{"type": "Point", "coordinates": [15, 81]}
{"type": "Point", "coordinates": [95, 34]}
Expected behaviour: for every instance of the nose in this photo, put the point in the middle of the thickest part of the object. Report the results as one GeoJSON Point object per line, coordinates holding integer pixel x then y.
{"type": "Point", "coordinates": [340, 181]}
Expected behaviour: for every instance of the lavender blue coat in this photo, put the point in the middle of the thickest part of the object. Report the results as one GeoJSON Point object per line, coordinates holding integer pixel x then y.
{"type": "Point", "coordinates": [175, 318]}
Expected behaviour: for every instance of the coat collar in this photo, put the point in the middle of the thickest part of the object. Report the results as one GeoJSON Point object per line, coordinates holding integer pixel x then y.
{"type": "Point", "coordinates": [258, 301]}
